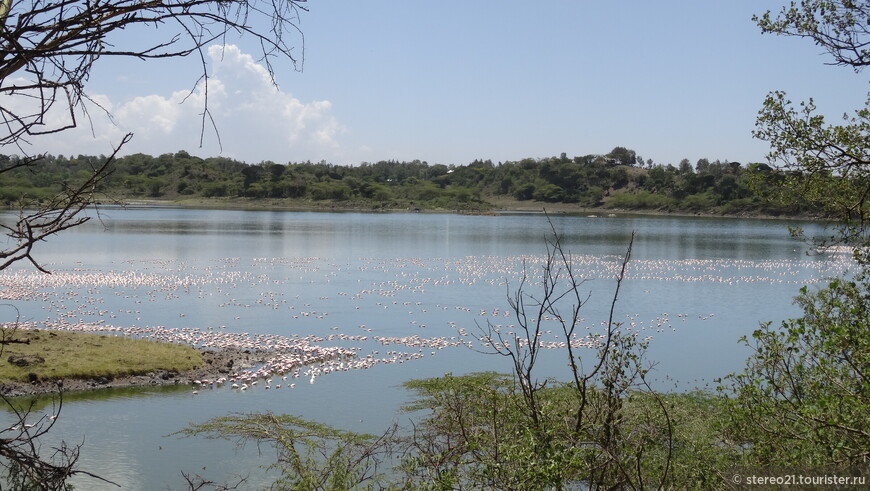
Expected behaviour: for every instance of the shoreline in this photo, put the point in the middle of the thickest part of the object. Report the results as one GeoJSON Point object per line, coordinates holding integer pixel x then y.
{"type": "Point", "coordinates": [216, 363]}
{"type": "Point", "coordinates": [497, 208]}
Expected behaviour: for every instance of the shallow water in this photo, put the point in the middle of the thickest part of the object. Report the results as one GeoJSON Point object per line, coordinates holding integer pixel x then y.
{"type": "Point", "coordinates": [410, 293]}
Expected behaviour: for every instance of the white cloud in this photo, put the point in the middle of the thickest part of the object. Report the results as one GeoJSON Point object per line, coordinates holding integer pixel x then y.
{"type": "Point", "coordinates": [255, 120]}
{"type": "Point", "coordinates": [230, 60]}
{"type": "Point", "coordinates": [153, 113]}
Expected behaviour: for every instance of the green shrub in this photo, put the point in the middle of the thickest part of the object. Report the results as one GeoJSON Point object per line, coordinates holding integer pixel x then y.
{"type": "Point", "coordinates": [640, 201]}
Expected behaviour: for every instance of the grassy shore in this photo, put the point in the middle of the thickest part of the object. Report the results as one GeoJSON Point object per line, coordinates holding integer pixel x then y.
{"type": "Point", "coordinates": [54, 355]}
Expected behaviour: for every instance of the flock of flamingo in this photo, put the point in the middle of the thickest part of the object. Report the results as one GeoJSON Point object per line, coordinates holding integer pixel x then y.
{"type": "Point", "coordinates": [316, 316]}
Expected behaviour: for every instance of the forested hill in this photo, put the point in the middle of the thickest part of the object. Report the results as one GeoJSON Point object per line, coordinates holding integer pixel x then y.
{"type": "Point", "coordinates": [618, 180]}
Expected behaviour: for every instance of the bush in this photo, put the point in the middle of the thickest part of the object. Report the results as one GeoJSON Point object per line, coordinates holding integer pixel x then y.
{"type": "Point", "coordinates": [215, 190]}
{"type": "Point", "coordinates": [592, 196]}
{"type": "Point", "coordinates": [524, 192]}
{"type": "Point", "coordinates": [638, 201]}
{"type": "Point", "coordinates": [550, 193]}
{"type": "Point", "coordinates": [329, 190]}
{"type": "Point", "coordinates": [698, 202]}
{"type": "Point", "coordinates": [11, 195]}
{"type": "Point", "coordinates": [804, 397]}
{"type": "Point", "coordinates": [741, 205]}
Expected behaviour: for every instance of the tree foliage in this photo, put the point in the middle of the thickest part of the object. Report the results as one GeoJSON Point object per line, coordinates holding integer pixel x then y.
{"type": "Point", "coordinates": [827, 165]}
{"type": "Point", "coordinates": [588, 181]}
{"type": "Point", "coordinates": [803, 398]}
{"type": "Point", "coordinates": [839, 26]}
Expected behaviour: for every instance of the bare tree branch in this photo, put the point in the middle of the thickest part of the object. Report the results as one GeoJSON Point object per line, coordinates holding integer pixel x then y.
{"type": "Point", "coordinates": [48, 49]}
{"type": "Point", "coordinates": [64, 211]}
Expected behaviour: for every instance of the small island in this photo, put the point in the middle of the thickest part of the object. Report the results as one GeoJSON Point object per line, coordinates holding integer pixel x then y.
{"type": "Point", "coordinates": [44, 362]}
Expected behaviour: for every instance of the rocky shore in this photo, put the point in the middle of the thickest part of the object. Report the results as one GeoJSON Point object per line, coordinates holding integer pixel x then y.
{"type": "Point", "coordinates": [217, 363]}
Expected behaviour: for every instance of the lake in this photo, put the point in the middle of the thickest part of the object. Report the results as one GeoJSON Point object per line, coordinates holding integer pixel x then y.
{"type": "Point", "coordinates": [410, 292]}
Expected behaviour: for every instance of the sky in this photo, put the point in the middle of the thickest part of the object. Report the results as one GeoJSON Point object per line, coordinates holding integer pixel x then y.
{"type": "Point", "coordinates": [452, 81]}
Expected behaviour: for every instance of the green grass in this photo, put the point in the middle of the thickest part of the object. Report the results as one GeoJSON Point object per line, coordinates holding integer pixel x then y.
{"type": "Point", "coordinates": [87, 356]}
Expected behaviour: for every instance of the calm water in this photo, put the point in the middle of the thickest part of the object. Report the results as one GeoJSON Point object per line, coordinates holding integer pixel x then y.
{"type": "Point", "coordinates": [411, 291]}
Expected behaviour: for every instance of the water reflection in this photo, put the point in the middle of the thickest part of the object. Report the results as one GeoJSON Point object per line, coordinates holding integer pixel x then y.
{"type": "Point", "coordinates": [43, 402]}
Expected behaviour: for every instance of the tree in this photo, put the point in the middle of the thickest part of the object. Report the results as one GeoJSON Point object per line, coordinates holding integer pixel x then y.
{"type": "Point", "coordinates": [803, 398]}
{"type": "Point", "coordinates": [825, 165]}
{"type": "Point", "coordinates": [804, 395]}
{"type": "Point", "coordinates": [47, 52]}
{"type": "Point", "coordinates": [38, 221]}
{"type": "Point", "coordinates": [840, 27]}
{"type": "Point", "coordinates": [686, 167]}
{"type": "Point", "coordinates": [622, 155]}
{"type": "Point", "coordinates": [489, 431]}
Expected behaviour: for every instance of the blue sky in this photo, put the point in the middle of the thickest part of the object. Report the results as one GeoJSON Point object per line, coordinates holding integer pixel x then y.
{"type": "Point", "coordinates": [447, 82]}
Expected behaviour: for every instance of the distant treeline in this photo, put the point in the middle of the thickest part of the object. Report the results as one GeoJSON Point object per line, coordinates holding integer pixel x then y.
{"type": "Point", "coordinates": [619, 180]}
